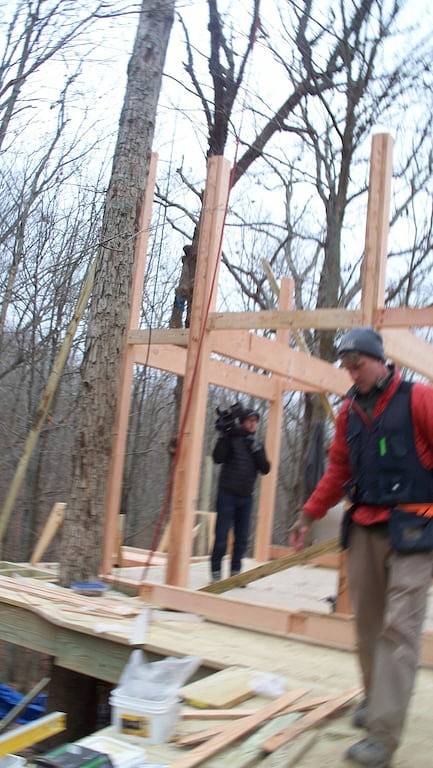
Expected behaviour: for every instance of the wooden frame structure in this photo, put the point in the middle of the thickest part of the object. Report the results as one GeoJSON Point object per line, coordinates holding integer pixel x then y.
{"type": "Point", "coordinates": [230, 335]}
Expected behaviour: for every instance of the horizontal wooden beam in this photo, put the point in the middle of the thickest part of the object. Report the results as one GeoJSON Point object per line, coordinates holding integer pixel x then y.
{"type": "Point", "coordinates": [407, 350]}
{"type": "Point", "coordinates": [178, 336]}
{"type": "Point", "coordinates": [324, 319]}
{"type": "Point", "coordinates": [328, 319]}
{"type": "Point", "coordinates": [330, 630]}
{"type": "Point", "coordinates": [403, 317]}
{"type": "Point", "coordinates": [302, 371]}
{"type": "Point", "coordinates": [167, 357]}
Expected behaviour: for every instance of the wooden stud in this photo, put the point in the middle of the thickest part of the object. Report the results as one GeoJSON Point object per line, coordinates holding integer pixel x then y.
{"type": "Point", "coordinates": [377, 227]}
{"type": "Point", "coordinates": [196, 377]}
{"type": "Point", "coordinates": [52, 525]}
{"type": "Point", "coordinates": [120, 432]}
{"type": "Point", "coordinates": [269, 482]}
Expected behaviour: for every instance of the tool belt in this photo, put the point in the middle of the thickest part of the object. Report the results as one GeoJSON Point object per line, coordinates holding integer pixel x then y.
{"type": "Point", "coordinates": [409, 533]}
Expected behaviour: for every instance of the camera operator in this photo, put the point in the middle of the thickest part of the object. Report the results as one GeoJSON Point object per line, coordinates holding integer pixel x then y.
{"type": "Point", "coordinates": [242, 457]}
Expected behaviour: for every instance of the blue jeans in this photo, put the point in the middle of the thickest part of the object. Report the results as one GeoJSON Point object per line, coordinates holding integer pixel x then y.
{"type": "Point", "coordinates": [232, 512]}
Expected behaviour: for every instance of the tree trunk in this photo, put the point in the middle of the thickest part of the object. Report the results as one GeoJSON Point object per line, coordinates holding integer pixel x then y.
{"type": "Point", "coordinates": [100, 371]}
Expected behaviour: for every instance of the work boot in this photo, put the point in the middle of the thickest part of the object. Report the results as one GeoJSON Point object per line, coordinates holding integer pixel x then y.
{"type": "Point", "coordinates": [370, 753]}
{"type": "Point", "coordinates": [359, 719]}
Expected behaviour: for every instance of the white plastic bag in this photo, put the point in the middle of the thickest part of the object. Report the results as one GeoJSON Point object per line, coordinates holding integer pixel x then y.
{"type": "Point", "coordinates": [268, 684]}
{"type": "Point", "coordinates": [155, 680]}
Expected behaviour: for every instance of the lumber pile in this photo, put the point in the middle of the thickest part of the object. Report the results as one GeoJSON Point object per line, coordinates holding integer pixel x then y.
{"type": "Point", "coordinates": [286, 726]}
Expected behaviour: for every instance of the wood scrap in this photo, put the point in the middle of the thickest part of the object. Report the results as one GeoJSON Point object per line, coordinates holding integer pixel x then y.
{"type": "Point", "coordinates": [216, 714]}
{"type": "Point", "coordinates": [223, 689]}
{"type": "Point", "coordinates": [198, 737]}
{"type": "Point", "coordinates": [274, 566]}
{"type": "Point", "coordinates": [310, 720]}
{"type": "Point", "coordinates": [236, 730]}
{"type": "Point", "coordinates": [249, 751]}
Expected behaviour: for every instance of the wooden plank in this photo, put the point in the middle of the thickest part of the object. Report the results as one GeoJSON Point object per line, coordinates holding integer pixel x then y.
{"type": "Point", "coordinates": [269, 482]}
{"type": "Point", "coordinates": [196, 379]}
{"type": "Point", "coordinates": [175, 336]}
{"type": "Point", "coordinates": [216, 714]}
{"type": "Point", "coordinates": [238, 757]}
{"type": "Point", "coordinates": [310, 720]}
{"type": "Point", "coordinates": [227, 688]}
{"type": "Point", "coordinates": [235, 731]}
{"type": "Point", "coordinates": [234, 714]}
{"type": "Point", "coordinates": [239, 379]}
{"type": "Point", "coordinates": [274, 566]}
{"type": "Point", "coordinates": [407, 350]}
{"type": "Point", "coordinates": [52, 525]}
{"type": "Point", "coordinates": [173, 359]}
{"type": "Point", "coordinates": [113, 494]}
{"type": "Point", "coordinates": [302, 371]}
{"type": "Point", "coordinates": [377, 226]}
{"type": "Point", "coordinates": [329, 319]}
{"type": "Point", "coordinates": [231, 612]}
{"type": "Point", "coordinates": [403, 317]}
{"type": "Point", "coordinates": [163, 357]}
{"type": "Point", "coordinates": [279, 358]}
{"type": "Point", "coordinates": [248, 752]}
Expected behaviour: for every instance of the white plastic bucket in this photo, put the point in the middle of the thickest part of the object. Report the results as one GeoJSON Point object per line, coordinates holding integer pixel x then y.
{"type": "Point", "coordinates": [148, 721]}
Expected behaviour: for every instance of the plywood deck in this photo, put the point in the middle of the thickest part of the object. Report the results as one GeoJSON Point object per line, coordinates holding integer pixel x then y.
{"type": "Point", "coordinates": [98, 645]}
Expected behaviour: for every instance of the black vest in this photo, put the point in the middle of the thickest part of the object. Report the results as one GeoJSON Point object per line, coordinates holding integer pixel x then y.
{"type": "Point", "coordinates": [384, 463]}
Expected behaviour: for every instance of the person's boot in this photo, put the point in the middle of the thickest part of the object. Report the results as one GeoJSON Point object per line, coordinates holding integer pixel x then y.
{"type": "Point", "coordinates": [370, 753]}
{"type": "Point", "coordinates": [359, 718]}
{"type": "Point", "coordinates": [216, 576]}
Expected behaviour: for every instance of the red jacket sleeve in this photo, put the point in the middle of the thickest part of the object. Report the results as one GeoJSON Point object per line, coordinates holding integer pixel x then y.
{"type": "Point", "coordinates": [422, 417]}
{"type": "Point", "coordinates": [330, 489]}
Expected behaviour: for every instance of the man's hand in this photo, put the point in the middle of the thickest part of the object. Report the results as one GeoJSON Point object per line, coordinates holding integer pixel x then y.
{"type": "Point", "coordinates": [300, 531]}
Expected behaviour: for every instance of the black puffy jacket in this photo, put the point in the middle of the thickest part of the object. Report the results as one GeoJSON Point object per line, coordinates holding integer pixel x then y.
{"type": "Point", "coordinates": [240, 462]}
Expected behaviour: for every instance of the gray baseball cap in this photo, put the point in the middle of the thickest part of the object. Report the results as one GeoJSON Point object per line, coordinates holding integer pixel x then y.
{"type": "Point", "coordinates": [364, 341]}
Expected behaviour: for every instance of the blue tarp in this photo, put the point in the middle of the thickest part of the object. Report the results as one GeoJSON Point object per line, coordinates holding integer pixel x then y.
{"type": "Point", "coordinates": [9, 698]}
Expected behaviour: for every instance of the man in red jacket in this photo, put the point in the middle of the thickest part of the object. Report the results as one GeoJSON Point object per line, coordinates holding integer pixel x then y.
{"type": "Point", "coordinates": [382, 459]}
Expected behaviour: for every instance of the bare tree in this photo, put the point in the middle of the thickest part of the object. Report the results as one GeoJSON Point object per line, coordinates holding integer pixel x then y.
{"type": "Point", "coordinates": [100, 372]}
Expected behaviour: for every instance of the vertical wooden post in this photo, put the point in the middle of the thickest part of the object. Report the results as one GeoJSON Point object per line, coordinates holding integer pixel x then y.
{"type": "Point", "coordinates": [113, 495]}
{"type": "Point", "coordinates": [377, 226]}
{"type": "Point", "coordinates": [373, 274]}
{"type": "Point", "coordinates": [268, 486]}
{"type": "Point", "coordinates": [195, 384]}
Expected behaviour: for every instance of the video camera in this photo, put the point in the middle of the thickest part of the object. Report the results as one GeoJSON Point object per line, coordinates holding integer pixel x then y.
{"type": "Point", "coordinates": [229, 419]}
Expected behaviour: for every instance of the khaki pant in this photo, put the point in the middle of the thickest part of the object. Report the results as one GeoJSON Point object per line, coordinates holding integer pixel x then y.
{"type": "Point", "coordinates": [389, 595]}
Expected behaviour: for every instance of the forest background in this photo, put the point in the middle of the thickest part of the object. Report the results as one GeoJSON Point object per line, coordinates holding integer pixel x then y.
{"type": "Point", "coordinates": [290, 90]}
